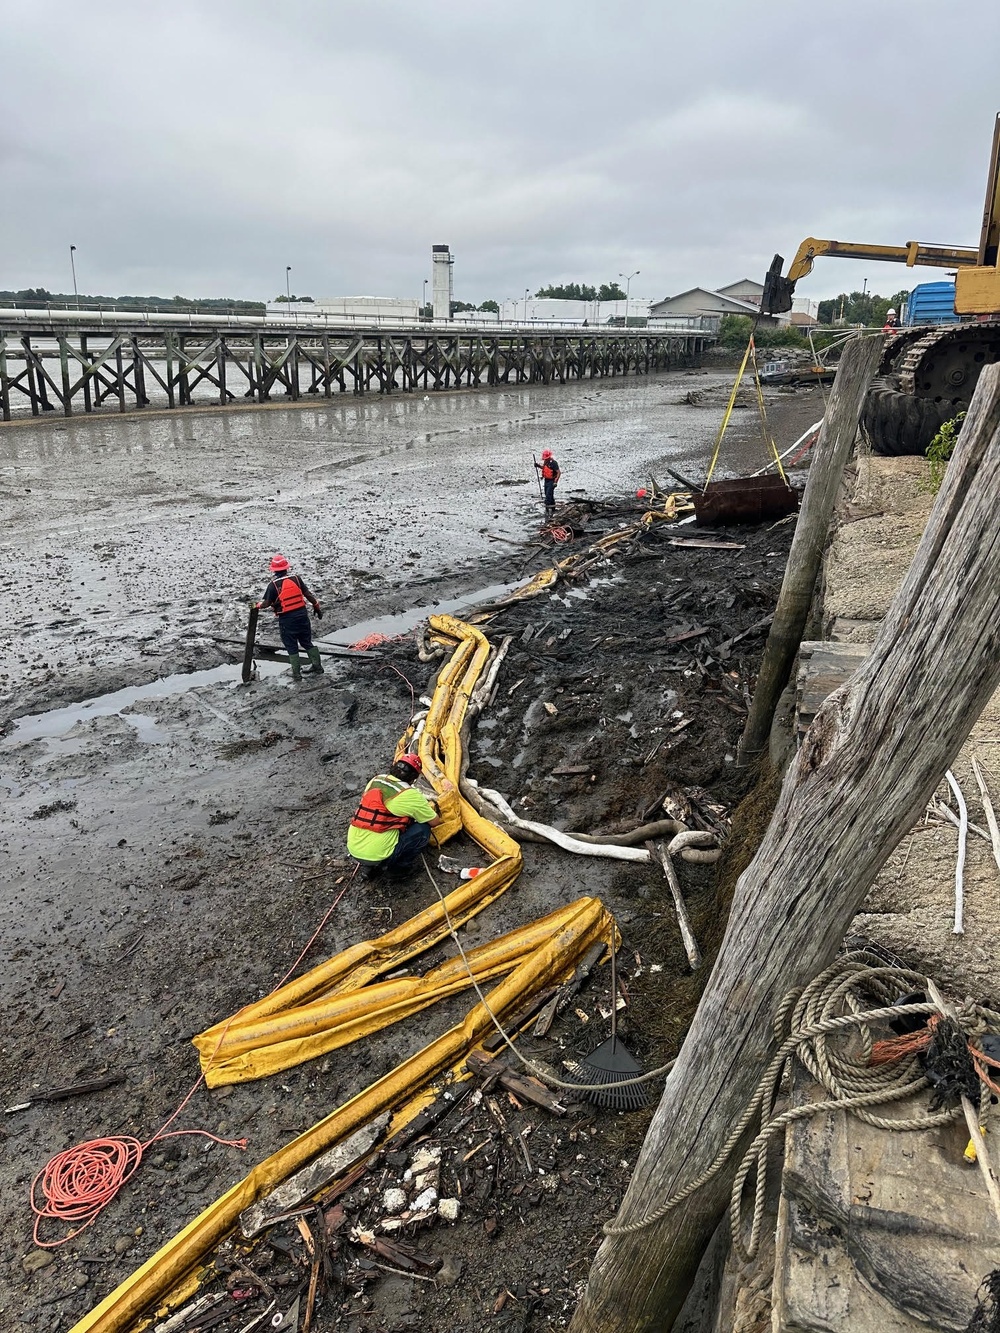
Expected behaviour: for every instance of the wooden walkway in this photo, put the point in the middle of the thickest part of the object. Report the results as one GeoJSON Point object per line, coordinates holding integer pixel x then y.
{"type": "Point", "coordinates": [52, 368]}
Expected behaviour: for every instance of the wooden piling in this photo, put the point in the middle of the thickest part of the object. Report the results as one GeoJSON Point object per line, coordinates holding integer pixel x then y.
{"type": "Point", "coordinates": [374, 360]}
{"type": "Point", "coordinates": [832, 450]}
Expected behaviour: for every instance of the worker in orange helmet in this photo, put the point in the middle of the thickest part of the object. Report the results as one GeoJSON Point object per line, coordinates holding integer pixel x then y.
{"type": "Point", "coordinates": [287, 595]}
{"type": "Point", "coordinates": [549, 469]}
{"type": "Point", "coordinates": [392, 824]}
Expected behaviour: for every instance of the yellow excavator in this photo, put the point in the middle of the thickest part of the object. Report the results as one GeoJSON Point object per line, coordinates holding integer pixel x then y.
{"type": "Point", "coordinates": [928, 373]}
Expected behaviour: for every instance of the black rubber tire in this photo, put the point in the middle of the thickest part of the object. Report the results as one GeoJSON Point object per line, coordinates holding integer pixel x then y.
{"type": "Point", "coordinates": [899, 423]}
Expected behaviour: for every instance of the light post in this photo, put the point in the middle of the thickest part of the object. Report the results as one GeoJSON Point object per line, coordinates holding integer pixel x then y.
{"type": "Point", "coordinates": [527, 293]}
{"type": "Point", "coordinates": [423, 304]}
{"type": "Point", "coordinates": [288, 283]}
{"type": "Point", "coordinates": [72, 264]}
{"type": "Point", "coordinates": [628, 283]}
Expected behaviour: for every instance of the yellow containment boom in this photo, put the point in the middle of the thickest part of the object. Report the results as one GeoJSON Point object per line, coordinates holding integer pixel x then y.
{"type": "Point", "coordinates": [342, 1000]}
{"type": "Point", "coordinates": [252, 1049]}
{"type": "Point", "coordinates": [582, 924]}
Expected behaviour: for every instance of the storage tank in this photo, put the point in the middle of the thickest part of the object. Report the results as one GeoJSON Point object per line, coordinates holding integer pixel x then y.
{"type": "Point", "coordinates": [932, 303]}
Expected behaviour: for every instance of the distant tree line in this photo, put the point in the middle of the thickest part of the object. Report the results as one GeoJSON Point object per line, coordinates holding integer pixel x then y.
{"type": "Point", "coordinates": [32, 297]}
{"type": "Point", "coordinates": [294, 298]}
{"type": "Point", "coordinates": [575, 291]}
{"type": "Point", "coordinates": [866, 308]}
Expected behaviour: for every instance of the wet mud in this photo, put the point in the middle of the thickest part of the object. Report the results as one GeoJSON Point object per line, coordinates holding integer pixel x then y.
{"type": "Point", "coordinates": [169, 852]}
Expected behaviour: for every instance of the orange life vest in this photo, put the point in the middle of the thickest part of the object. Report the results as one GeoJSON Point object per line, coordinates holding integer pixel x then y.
{"type": "Point", "coordinates": [549, 470]}
{"type": "Point", "coordinates": [290, 596]}
{"type": "Point", "coordinates": [372, 814]}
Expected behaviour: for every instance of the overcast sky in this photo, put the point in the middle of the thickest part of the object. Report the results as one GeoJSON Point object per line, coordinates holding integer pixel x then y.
{"type": "Point", "coordinates": [198, 148]}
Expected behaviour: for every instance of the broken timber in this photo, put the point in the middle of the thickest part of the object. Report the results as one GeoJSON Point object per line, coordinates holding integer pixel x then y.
{"type": "Point", "coordinates": [127, 363]}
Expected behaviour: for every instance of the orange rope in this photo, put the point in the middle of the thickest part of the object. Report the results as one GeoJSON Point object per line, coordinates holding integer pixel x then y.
{"type": "Point", "coordinates": [897, 1048]}
{"type": "Point", "coordinates": [78, 1184]}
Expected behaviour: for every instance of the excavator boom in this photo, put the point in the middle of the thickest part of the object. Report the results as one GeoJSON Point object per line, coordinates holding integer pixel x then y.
{"type": "Point", "coordinates": [778, 290]}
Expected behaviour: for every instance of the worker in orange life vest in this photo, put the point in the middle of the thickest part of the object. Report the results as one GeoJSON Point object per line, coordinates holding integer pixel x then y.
{"type": "Point", "coordinates": [287, 594]}
{"type": "Point", "coordinates": [549, 469]}
{"type": "Point", "coordinates": [891, 324]}
{"type": "Point", "coordinates": [392, 824]}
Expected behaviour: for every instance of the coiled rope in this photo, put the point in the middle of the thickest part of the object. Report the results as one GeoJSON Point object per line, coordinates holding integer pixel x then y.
{"type": "Point", "coordinates": [827, 1028]}
{"type": "Point", "coordinates": [78, 1184]}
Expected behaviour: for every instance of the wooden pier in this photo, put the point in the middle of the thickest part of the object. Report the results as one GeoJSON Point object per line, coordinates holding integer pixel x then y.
{"type": "Point", "coordinates": [47, 366]}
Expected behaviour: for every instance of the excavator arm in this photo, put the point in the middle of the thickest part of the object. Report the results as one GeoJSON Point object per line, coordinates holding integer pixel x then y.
{"type": "Point", "coordinates": [778, 290]}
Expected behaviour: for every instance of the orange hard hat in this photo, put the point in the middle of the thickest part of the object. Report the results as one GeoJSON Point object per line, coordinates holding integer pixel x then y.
{"type": "Point", "coordinates": [278, 563]}
{"type": "Point", "coordinates": [413, 760]}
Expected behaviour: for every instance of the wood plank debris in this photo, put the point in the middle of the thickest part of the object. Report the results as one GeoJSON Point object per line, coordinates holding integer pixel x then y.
{"type": "Point", "coordinates": [299, 1187]}
{"type": "Point", "coordinates": [706, 544]}
{"type": "Point", "coordinates": [824, 665]}
{"type": "Point", "coordinates": [524, 1086]}
{"type": "Point", "coordinates": [72, 1090]}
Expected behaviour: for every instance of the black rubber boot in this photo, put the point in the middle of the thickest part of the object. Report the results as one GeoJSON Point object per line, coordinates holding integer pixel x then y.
{"type": "Point", "coordinates": [316, 669]}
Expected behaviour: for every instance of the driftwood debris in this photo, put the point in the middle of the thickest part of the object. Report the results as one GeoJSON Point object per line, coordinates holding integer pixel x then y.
{"type": "Point", "coordinates": [840, 426]}
{"type": "Point", "coordinates": [72, 1090]}
{"type": "Point", "coordinates": [337, 1161]}
{"type": "Point", "coordinates": [561, 1000]}
{"type": "Point", "coordinates": [874, 754]}
{"type": "Point", "coordinates": [524, 1087]}
{"type": "Point", "coordinates": [659, 852]}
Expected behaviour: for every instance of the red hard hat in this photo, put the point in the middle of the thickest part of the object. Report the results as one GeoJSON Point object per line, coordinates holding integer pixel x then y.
{"type": "Point", "coordinates": [413, 760]}
{"type": "Point", "coordinates": [278, 562]}
{"type": "Point", "coordinates": [546, 453]}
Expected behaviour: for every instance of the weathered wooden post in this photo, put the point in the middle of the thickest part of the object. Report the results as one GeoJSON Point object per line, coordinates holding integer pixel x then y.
{"type": "Point", "coordinates": [874, 754]}
{"type": "Point", "coordinates": [840, 426]}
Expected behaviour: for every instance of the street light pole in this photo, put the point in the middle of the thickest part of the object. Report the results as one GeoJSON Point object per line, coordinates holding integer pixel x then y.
{"type": "Point", "coordinates": [527, 293]}
{"type": "Point", "coordinates": [72, 263]}
{"type": "Point", "coordinates": [288, 283]}
{"type": "Point", "coordinates": [864, 287]}
{"type": "Point", "coordinates": [423, 304]}
{"type": "Point", "coordinates": [628, 284]}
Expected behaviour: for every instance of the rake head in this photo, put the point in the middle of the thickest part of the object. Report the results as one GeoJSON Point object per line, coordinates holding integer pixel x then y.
{"type": "Point", "coordinates": [604, 1069]}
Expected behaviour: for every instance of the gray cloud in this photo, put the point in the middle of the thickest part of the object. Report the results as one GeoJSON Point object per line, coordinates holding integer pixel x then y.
{"type": "Point", "coordinates": [200, 148]}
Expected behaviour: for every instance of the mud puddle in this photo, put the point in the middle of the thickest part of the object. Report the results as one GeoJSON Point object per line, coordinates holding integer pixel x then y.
{"type": "Point", "coordinates": [402, 622]}
{"type": "Point", "coordinates": [56, 722]}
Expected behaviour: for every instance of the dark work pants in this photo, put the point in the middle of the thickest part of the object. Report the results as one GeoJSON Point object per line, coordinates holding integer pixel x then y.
{"type": "Point", "coordinates": [412, 842]}
{"type": "Point", "coordinates": [295, 630]}
{"type": "Point", "coordinates": [550, 493]}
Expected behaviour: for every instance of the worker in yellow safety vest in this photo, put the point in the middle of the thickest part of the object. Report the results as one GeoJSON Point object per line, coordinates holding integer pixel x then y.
{"type": "Point", "coordinates": [392, 824]}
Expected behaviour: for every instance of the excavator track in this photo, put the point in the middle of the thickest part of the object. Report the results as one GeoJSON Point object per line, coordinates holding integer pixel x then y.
{"type": "Point", "coordinates": [944, 364]}
{"type": "Point", "coordinates": [925, 383]}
